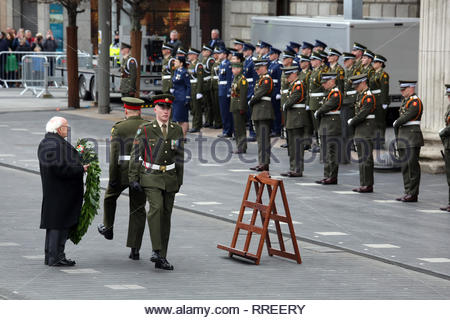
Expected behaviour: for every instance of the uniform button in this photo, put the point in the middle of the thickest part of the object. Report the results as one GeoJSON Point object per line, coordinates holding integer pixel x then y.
{"type": "Point", "coordinates": [165, 161]}
{"type": "Point", "coordinates": [166, 141]}
{"type": "Point", "coordinates": [165, 151]}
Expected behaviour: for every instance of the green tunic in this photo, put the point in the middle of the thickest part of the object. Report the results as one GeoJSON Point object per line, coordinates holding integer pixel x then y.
{"type": "Point", "coordinates": [196, 73]}
{"type": "Point", "coordinates": [128, 72]}
{"type": "Point", "coordinates": [239, 107]}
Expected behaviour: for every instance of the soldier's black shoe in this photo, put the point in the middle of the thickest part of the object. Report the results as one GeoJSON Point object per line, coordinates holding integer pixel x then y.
{"type": "Point", "coordinates": [217, 127]}
{"type": "Point", "coordinates": [63, 263]}
{"type": "Point", "coordinates": [134, 254]}
{"type": "Point", "coordinates": [155, 256]}
{"type": "Point", "coordinates": [307, 147]}
{"type": "Point", "coordinates": [206, 125]}
{"type": "Point", "coordinates": [284, 145]}
{"type": "Point", "coordinates": [315, 149]}
{"type": "Point", "coordinates": [106, 232]}
{"type": "Point", "coordinates": [223, 135]}
{"type": "Point", "coordinates": [163, 264]}
{"type": "Point", "coordinates": [194, 130]}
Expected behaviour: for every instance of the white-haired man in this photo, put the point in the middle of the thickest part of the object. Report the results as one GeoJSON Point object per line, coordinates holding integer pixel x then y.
{"type": "Point", "coordinates": [62, 188]}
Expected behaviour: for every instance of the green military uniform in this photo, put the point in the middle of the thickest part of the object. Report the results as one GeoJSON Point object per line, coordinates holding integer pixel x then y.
{"type": "Point", "coordinates": [298, 126]}
{"type": "Point", "coordinates": [340, 80]}
{"type": "Point", "coordinates": [239, 108]}
{"type": "Point", "coordinates": [167, 74]}
{"type": "Point", "coordinates": [122, 134]}
{"type": "Point", "coordinates": [128, 72]}
{"type": "Point", "coordinates": [330, 130]}
{"type": "Point", "coordinates": [444, 133]}
{"type": "Point", "coordinates": [364, 126]}
{"type": "Point", "coordinates": [304, 76]}
{"type": "Point", "coordinates": [208, 63]}
{"type": "Point", "coordinates": [215, 94]}
{"type": "Point", "coordinates": [409, 141]}
{"type": "Point", "coordinates": [379, 85]}
{"type": "Point", "coordinates": [263, 114]}
{"type": "Point", "coordinates": [196, 72]}
{"type": "Point", "coordinates": [156, 166]}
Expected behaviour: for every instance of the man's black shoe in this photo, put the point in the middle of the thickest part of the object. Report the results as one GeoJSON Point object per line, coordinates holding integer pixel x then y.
{"type": "Point", "coordinates": [134, 254]}
{"type": "Point", "coordinates": [106, 232]}
{"type": "Point", "coordinates": [284, 145]}
{"type": "Point", "coordinates": [223, 135]}
{"type": "Point", "coordinates": [155, 256]}
{"type": "Point", "coordinates": [217, 127]}
{"type": "Point", "coordinates": [63, 263]}
{"type": "Point", "coordinates": [194, 130]}
{"type": "Point", "coordinates": [163, 264]}
{"type": "Point", "coordinates": [206, 125]}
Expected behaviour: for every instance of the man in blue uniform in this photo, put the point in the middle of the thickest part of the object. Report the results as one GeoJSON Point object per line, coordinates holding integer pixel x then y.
{"type": "Point", "coordinates": [275, 74]}
{"type": "Point", "coordinates": [225, 79]}
{"type": "Point", "coordinates": [251, 76]}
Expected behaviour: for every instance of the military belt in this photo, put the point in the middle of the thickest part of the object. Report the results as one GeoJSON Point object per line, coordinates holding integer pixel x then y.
{"type": "Point", "coordinates": [266, 98]}
{"type": "Point", "coordinates": [124, 158]}
{"type": "Point", "coordinates": [285, 91]}
{"type": "Point", "coordinates": [216, 77]}
{"type": "Point", "coordinates": [299, 105]}
{"type": "Point", "coordinates": [317, 94]}
{"type": "Point", "coordinates": [332, 113]}
{"type": "Point", "coordinates": [166, 77]}
{"type": "Point", "coordinates": [370, 116]}
{"type": "Point", "coordinates": [350, 93]}
{"type": "Point", "coordinates": [411, 123]}
{"type": "Point", "coordinates": [376, 91]}
{"type": "Point", "coordinates": [275, 80]}
{"type": "Point", "coordinates": [193, 80]}
{"type": "Point", "coordinates": [207, 78]}
{"type": "Point", "coordinates": [148, 165]}
{"type": "Point", "coordinates": [250, 80]}
{"type": "Point", "coordinates": [223, 82]}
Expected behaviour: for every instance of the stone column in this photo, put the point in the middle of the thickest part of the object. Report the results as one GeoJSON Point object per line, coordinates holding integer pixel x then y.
{"type": "Point", "coordinates": [434, 72]}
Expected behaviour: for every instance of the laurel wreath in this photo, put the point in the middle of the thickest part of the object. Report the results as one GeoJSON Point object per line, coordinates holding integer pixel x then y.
{"type": "Point", "coordinates": [91, 197]}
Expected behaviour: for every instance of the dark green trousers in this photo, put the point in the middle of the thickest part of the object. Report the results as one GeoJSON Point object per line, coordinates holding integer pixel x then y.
{"type": "Point", "coordinates": [215, 107]}
{"type": "Point", "coordinates": [159, 216]}
{"type": "Point", "coordinates": [240, 131]}
{"type": "Point", "coordinates": [136, 223]}
{"type": "Point", "coordinates": [297, 140]}
{"type": "Point", "coordinates": [409, 158]}
{"type": "Point", "coordinates": [380, 116]}
{"type": "Point", "coordinates": [447, 171]}
{"type": "Point", "coordinates": [364, 148]}
{"type": "Point", "coordinates": [262, 128]}
{"type": "Point", "coordinates": [330, 149]}
{"type": "Point", "coordinates": [207, 105]}
{"type": "Point", "coordinates": [197, 114]}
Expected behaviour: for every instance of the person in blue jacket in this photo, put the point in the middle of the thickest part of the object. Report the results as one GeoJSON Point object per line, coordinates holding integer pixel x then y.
{"type": "Point", "coordinates": [225, 79]}
{"type": "Point", "coordinates": [251, 76]}
{"type": "Point", "coordinates": [181, 89]}
{"type": "Point", "coordinates": [275, 74]}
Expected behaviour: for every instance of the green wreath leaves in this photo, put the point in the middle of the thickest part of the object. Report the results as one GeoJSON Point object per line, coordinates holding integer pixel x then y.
{"type": "Point", "coordinates": [91, 196]}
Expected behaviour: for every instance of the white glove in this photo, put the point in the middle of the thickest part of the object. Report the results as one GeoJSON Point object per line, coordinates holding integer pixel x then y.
{"type": "Point", "coordinates": [394, 124]}
{"type": "Point", "coordinates": [307, 108]}
{"type": "Point", "coordinates": [172, 90]}
{"type": "Point", "coordinates": [228, 95]}
{"type": "Point", "coordinates": [385, 106]}
{"type": "Point", "coordinates": [442, 130]}
{"type": "Point", "coordinates": [284, 106]}
{"type": "Point", "coordinates": [198, 96]}
{"type": "Point", "coordinates": [316, 114]}
{"type": "Point", "coordinates": [278, 96]}
{"type": "Point", "coordinates": [349, 121]}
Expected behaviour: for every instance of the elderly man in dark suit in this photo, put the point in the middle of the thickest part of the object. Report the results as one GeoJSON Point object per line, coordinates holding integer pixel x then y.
{"type": "Point", "coordinates": [62, 187]}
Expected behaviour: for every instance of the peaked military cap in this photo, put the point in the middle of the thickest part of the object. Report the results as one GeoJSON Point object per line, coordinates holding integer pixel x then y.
{"type": "Point", "coordinates": [295, 45]}
{"type": "Point", "coordinates": [274, 51]}
{"type": "Point", "coordinates": [407, 83]}
{"type": "Point", "coordinates": [163, 100]}
{"type": "Point", "coordinates": [231, 50]}
{"type": "Point", "coordinates": [288, 54]}
{"type": "Point", "coordinates": [193, 51]}
{"type": "Point", "coordinates": [358, 46]}
{"type": "Point", "coordinates": [328, 76]}
{"type": "Point", "coordinates": [258, 44]}
{"type": "Point", "coordinates": [358, 79]}
{"type": "Point", "coordinates": [369, 54]}
{"type": "Point", "coordinates": [316, 55]}
{"type": "Point", "coordinates": [182, 59]}
{"type": "Point", "coordinates": [239, 41]}
{"type": "Point", "coordinates": [323, 54]}
{"type": "Point", "coordinates": [334, 52]}
{"type": "Point", "coordinates": [348, 55]}
{"type": "Point", "coordinates": [132, 103]}
{"type": "Point", "coordinates": [289, 70]}
{"type": "Point", "coordinates": [265, 45]}
{"type": "Point", "coordinates": [167, 46]}
{"type": "Point", "coordinates": [124, 45]}
{"type": "Point", "coordinates": [180, 50]}
{"type": "Point", "coordinates": [379, 58]}
{"type": "Point", "coordinates": [320, 44]}
{"type": "Point", "coordinates": [208, 48]}
{"type": "Point", "coordinates": [447, 89]}
{"type": "Point", "coordinates": [221, 50]}
{"type": "Point", "coordinates": [238, 55]}
{"type": "Point", "coordinates": [261, 62]}
{"type": "Point", "coordinates": [304, 58]}
{"type": "Point", "coordinates": [248, 46]}
{"type": "Point", "coordinates": [307, 45]}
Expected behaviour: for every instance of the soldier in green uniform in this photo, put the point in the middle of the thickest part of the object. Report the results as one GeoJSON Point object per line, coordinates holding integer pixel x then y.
{"type": "Point", "coordinates": [262, 113]}
{"type": "Point", "coordinates": [348, 105]}
{"type": "Point", "coordinates": [444, 133]}
{"type": "Point", "coordinates": [366, 65]}
{"type": "Point", "coordinates": [239, 107]}
{"type": "Point", "coordinates": [305, 74]}
{"type": "Point", "coordinates": [196, 73]}
{"type": "Point", "coordinates": [167, 68]}
{"type": "Point", "coordinates": [335, 67]}
{"type": "Point", "coordinates": [409, 139]}
{"type": "Point", "coordinates": [315, 92]}
{"type": "Point", "coordinates": [156, 167]}
{"type": "Point", "coordinates": [288, 61]}
{"type": "Point", "coordinates": [358, 50]}
{"type": "Point", "coordinates": [207, 62]}
{"type": "Point", "coordinates": [128, 72]}
{"type": "Point", "coordinates": [379, 85]}
{"type": "Point", "coordinates": [215, 91]}
{"type": "Point", "coordinates": [122, 134]}
{"type": "Point", "coordinates": [329, 116]}
{"type": "Point", "coordinates": [298, 122]}
{"type": "Point", "coordinates": [364, 126]}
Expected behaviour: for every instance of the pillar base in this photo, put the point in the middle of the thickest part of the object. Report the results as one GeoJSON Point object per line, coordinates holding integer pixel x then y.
{"type": "Point", "coordinates": [431, 160]}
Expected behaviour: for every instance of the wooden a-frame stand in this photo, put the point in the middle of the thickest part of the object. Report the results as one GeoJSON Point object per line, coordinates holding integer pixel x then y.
{"type": "Point", "coordinates": [267, 213]}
